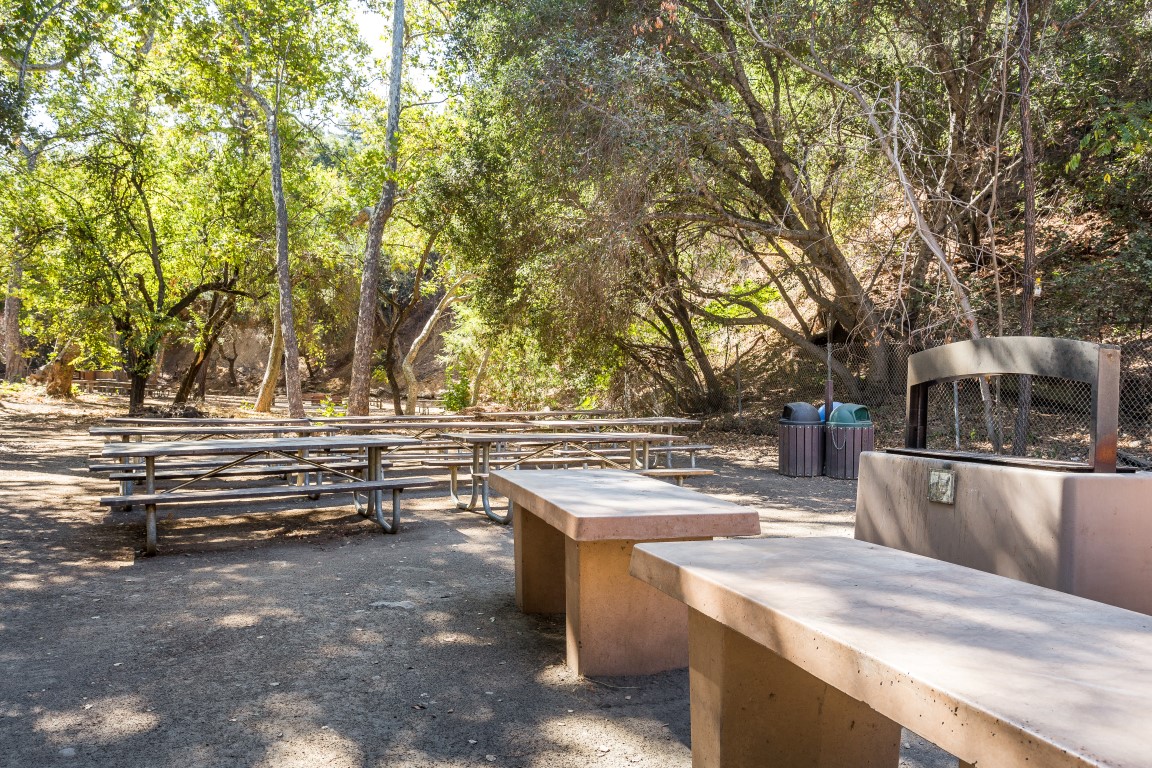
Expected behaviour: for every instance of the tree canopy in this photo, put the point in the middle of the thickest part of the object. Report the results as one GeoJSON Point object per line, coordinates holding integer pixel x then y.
{"type": "Point", "coordinates": [590, 198]}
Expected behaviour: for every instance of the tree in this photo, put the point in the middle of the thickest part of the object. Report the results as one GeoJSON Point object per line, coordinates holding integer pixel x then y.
{"type": "Point", "coordinates": [274, 53]}
{"type": "Point", "coordinates": [359, 388]}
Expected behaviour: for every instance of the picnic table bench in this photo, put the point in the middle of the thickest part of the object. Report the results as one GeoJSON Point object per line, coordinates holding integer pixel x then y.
{"type": "Point", "coordinates": [557, 414]}
{"type": "Point", "coordinates": [647, 422]}
{"type": "Point", "coordinates": [573, 536]}
{"type": "Point", "coordinates": [131, 475]}
{"type": "Point", "coordinates": [543, 443]}
{"type": "Point", "coordinates": [315, 452]}
{"type": "Point", "coordinates": [814, 651]}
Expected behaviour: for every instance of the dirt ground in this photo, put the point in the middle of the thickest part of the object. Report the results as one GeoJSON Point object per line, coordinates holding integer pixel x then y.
{"type": "Point", "coordinates": [308, 638]}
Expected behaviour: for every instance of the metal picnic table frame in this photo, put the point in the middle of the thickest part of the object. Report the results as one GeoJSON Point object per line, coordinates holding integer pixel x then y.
{"type": "Point", "coordinates": [292, 448]}
{"type": "Point", "coordinates": [639, 444]}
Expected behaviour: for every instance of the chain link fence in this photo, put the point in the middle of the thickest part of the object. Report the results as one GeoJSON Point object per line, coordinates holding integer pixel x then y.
{"type": "Point", "coordinates": [982, 415]}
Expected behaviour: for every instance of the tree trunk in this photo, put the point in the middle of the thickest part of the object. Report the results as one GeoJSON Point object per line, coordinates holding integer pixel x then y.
{"type": "Point", "coordinates": [14, 367]}
{"type": "Point", "coordinates": [267, 395]}
{"type": "Point", "coordinates": [201, 390]}
{"type": "Point", "coordinates": [408, 364]}
{"type": "Point", "coordinates": [218, 318]}
{"type": "Point", "coordinates": [393, 382]}
{"type": "Point", "coordinates": [1028, 276]}
{"type": "Point", "coordinates": [58, 374]}
{"type": "Point", "coordinates": [283, 275]}
{"type": "Point", "coordinates": [58, 379]}
{"type": "Point", "coordinates": [138, 390]}
{"type": "Point", "coordinates": [478, 378]}
{"type": "Point", "coordinates": [188, 382]}
{"type": "Point", "coordinates": [359, 388]}
{"type": "Point", "coordinates": [284, 278]}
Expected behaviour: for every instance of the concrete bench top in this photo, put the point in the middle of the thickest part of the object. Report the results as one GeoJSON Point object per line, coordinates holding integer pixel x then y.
{"type": "Point", "coordinates": [237, 447]}
{"type": "Point", "coordinates": [988, 668]}
{"type": "Point", "coordinates": [604, 505]}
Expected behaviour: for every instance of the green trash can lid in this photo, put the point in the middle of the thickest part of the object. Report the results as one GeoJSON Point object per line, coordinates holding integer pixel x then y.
{"type": "Point", "coordinates": [851, 415]}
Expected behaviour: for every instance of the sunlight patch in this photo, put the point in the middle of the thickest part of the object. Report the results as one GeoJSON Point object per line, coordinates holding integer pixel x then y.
{"type": "Point", "coordinates": [99, 721]}
{"type": "Point", "coordinates": [321, 747]}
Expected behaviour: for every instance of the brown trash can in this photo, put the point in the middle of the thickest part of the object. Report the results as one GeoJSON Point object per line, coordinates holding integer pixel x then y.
{"type": "Point", "coordinates": [801, 441]}
{"type": "Point", "coordinates": [847, 434]}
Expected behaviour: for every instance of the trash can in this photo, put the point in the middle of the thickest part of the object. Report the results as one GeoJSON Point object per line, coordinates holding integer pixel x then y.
{"type": "Point", "coordinates": [848, 432]}
{"type": "Point", "coordinates": [801, 441]}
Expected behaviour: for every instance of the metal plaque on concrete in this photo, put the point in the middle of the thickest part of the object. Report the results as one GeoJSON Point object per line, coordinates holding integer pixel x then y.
{"type": "Point", "coordinates": [942, 486]}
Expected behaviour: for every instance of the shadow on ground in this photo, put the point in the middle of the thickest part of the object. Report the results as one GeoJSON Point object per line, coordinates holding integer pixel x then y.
{"type": "Point", "coordinates": [305, 638]}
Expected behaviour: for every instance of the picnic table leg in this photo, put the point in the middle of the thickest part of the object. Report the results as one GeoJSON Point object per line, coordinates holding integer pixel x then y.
{"type": "Point", "coordinates": [484, 496]}
{"type": "Point", "coordinates": [150, 509]}
{"type": "Point", "coordinates": [644, 455]}
{"type": "Point", "coordinates": [376, 497]}
{"type": "Point", "coordinates": [539, 557]}
{"type": "Point", "coordinates": [454, 487]}
{"type": "Point", "coordinates": [638, 631]}
{"type": "Point", "coordinates": [471, 504]}
{"type": "Point", "coordinates": [751, 707]}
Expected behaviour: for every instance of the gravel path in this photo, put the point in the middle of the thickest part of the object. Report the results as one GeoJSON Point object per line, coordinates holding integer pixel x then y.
{"type": "Point", "coordinates": [307, 638]}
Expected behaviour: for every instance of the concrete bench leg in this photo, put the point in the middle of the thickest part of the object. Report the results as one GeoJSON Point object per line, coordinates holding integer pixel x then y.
{"type": "Point", "coordinates": [618, 625]}
{"type": "Point", "coordinates": [751, 708]}
{"type": "Point", "coordinates": [539, 557]}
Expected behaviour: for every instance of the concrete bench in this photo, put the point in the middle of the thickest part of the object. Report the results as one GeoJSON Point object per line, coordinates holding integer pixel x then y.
{"type": "Point", "coordinates": [573, 535]}
{"type": "Point", "coordinates": [815, 651]}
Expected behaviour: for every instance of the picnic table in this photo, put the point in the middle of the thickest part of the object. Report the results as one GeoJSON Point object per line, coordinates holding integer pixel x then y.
{"type": "Point", "coordinates": [573, 538]}
{"type": "Point", "coordinates": [205, 421]}
{"type": "Point", "coordinates": [390, 417]}
{"type": "Point", "coordinates": [542, 443]}
{"type": "Point", "coordinates": [658, 422]}
{"type": "Point", "coordinates": [201, 431]}
{"type": "Point", "coordinates": [421, 427]}
{"type": "Point", "coordinates": [574, 412]}
{"type": "Point", "coordinates": [314, 451]}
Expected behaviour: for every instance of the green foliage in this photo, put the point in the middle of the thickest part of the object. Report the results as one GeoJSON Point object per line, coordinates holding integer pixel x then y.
{"type": "Point", "coordinates": [458, 394]}
{"type": "Point", "coordinates": [330, 408]}
{"type": "Point", "coordinates": [1123, 129]}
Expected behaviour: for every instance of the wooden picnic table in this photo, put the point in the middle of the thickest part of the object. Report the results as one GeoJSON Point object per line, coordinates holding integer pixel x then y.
{"type": "Point", "coordinates": [574, 533]}
{"type": "Point", "coordinates": [126, 433]}
{"type": "Point", "coordinates": [541, 443]}
{"type": "Point", "coordinates": [296, 449]}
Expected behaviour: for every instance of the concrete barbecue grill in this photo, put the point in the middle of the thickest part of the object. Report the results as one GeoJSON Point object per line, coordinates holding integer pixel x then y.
{"type": "Point", "coordinates": [1080, 527]}
{"type": "Point", "coordinates": [1097, 365]}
